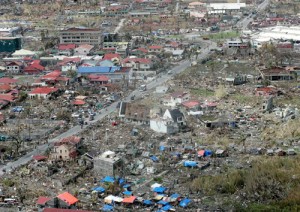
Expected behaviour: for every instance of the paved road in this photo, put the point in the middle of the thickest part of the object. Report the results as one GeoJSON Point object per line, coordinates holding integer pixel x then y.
{"type": "Point", "coordinates": [104, 112]}
{"type": "Point", "coordinates": [158, 81]}
{"type": "Point", "coordinates": [245, 22]}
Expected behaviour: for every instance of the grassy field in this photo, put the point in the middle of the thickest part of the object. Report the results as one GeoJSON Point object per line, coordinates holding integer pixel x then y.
{"type": "Point", "coordinates": [224, 35]}
{"type": "Point", "coordinates": [272, 182]}
{"type": "Point", "coordinates": [202, 92]}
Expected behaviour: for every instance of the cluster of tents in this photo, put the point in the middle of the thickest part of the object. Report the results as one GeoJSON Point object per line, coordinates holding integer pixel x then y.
{"type": "Point", "coordinates": [126, 197]}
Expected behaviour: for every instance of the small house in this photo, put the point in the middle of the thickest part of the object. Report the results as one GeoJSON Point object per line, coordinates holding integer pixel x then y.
{"type": "Point", "coordinates": [66, 149]}
{"type": "Point", "coordinates": [84, 49]}
{"type": "Point", "coordinates": [64, 201]}
{"type": "Point", "coordinates": [14, 67]}
{"type": "Point", "coordinates": [42, 92]}
{"type": "Point", "coordinates": [171, 121]}
{"type": "Point", "coordinates": [176, 98]}
{"type": "Point", "coordinates": [132, 112]}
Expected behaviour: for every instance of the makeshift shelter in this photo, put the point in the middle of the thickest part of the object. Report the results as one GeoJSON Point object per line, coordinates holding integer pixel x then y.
{"type": "Point", "coordinates": [108, 179]}
{"type": "Point", "coordinates": [166, 208]}
{"type": "Point", "coordinates": [162, 202]}
{"type": "Point", "coordinates": [109, 199]}
{"type": "Point", "coordinates": [99, 189]}
{"type": "Point", "coordinates": [129, 200]}
{"type": "Point", "coordinates": [159, 197]}
{"type": "Point", "coordinates": [148, 202]}
{"type": "Point", "coordinates": [159, 189]}
{"type": "Point", "coordinates": [156, 185]}
{"type": "Point", "coordinates": [107, 208]}
{"type": "Point", "coordinates": [78, 102]}
{"type": "Point", "coordinates": [185, 202]}
{"type": "Point", "coordinates": [154, 158]}
{"type": "Point", "coordinates": [190, 164]}
{"type": "Point", "coordinates": [127, 193]}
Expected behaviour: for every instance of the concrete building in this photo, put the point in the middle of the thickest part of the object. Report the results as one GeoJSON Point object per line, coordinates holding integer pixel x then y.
{"type": "Point", "coordinates": [81, 36]}
{"type": "Point", "coordinates": [107, 164]}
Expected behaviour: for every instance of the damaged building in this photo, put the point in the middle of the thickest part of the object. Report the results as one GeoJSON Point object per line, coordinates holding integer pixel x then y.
{"type": "Point", "coordinates": [108, 164]}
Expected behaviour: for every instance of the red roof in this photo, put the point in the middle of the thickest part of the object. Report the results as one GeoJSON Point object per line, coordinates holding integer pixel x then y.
{"type": "Point", "coordinates": [63, 210]}
{"type": "Point", "coordinates": [66, 46]}
{"type": "Point", "coordinates": [137, 60]}
{"type": "Point", "coordinates": [190, 104]}
{"type": "Point", "coordinates": [100, 78]}
{"type": "Point", "coordinates": [67, 60]}
{"type": "Point", "coordinates": [52, 76]}
{"type": "Point", "coordinates": [7, 97]}
{"type": "Point", "coordinates": [34, 66]}
{"type": "Point", "coordinates": [129, 199]}
{"type": "Point", "coordinates": [5, 87]}
{"type": "Point", "coordinates": [42, 200]}
{"type": "Point", "coordinates": [39, 157]}
{"type": "Point", "coordinates": [68, 198]}
{"type": "Point", "coordinates": [7, 80]}
{"type": "Point", "coordinates": [142, 50]}
{"type": "Point", "coordinates": [110, 56]}
{"type": "Point", "coordinates": [155, 47]}
{"type": "Point", "coordinates": [78, 102]}
{"type": "Point", "coordinates": [43, 90]}
{"type": "Point", "coordinates": [201, 152]}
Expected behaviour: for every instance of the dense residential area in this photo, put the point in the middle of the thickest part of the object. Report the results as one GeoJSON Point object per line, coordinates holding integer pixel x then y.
{"type": "Point", "coordinates": [149, 105]}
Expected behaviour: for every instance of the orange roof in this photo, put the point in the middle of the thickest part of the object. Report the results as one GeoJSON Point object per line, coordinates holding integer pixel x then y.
{"type": "Point", "coordinates": [42, 200]}
{"type": "Point", "coordinates": [190, 104]}
{"type": "Point", "coordinates": [155, 47]}
{"type": "Point", "coordinates": [68, 198]}
{"type": "Point", "coordinates": [7, 80]}
{"type": "Point", "coordinates": [7, 97]}
{"type": "Point", "coordinates": [129, 199]}
{"type": "Point", "coordinates": [5, 87]}
{"type": "Point", "coordinates": [201, 152]}
{"type": "Point", "coordinates": [70, 139]}
{"type": "Point", "coordinates": [78, 102]}
{"type": "Point", "coordinates": [43, 90]}
{"type": "Point", "coordinates": [111, 56]}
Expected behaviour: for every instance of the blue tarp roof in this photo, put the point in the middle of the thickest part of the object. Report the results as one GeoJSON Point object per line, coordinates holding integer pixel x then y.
{"type": "Point", "coordinates": [148, 202]}
{"type": "Point", "coordinates": [159, 189]}
{"type": "Point", "coordinates": [126, 186]}
{"type": "Point", "coordinates": [107, 208]}
{"type": "Point", "coordinates": [99, 189]}
{"type": "Point", "coordinates": [161, 148]}
{"type": "Point", "coordinates": [175, 195]}
{"type": "Point", "coordinates": [121, 181]}
{"type": "Point", "coordinates": [189, 163]}
{"type": "Point", "coordinates": [154, 158]}
{"type": "Point", "coordinates": [97, 69]}
{"type": "Point", "coordinates": [176, 154]}
{"type": "Point", "coordinates": [207, 153]}
{"type": "Point", "coordinates": [161, 202]}
{"type": "Point", "coordinates": [127, 192]}
{"type": "Point", "coordinates": [183, 203]}
{"type": "Point", "coordinates": [108, 179]}
{"type": "Point", "coordinates": [166, 208]}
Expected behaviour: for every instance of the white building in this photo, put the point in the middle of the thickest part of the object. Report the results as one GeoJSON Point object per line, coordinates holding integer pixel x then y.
{"type": "Point", "coordinates": [170, 122]}
{"type": "Point", "coordinates": [176, 98]}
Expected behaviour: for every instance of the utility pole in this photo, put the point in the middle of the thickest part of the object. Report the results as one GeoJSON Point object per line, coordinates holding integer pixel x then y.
{"type": "Point", "coordinates": [106, 136]}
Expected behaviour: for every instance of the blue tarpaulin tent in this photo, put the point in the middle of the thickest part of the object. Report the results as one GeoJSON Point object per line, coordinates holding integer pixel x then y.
{"type": "Point", "coordinates": [183, 203]}
{"type": "Point", "coordinates": [121, 181]}
{"type": "Point", "coordinates": [108, 179]}
{"type": "Point", "coordinates": [189, 163]}
{"type": "Point", "coordinates": [207, 153]}
{"type": "Point", "coordinates": [159, 189]}
{"type": "Point", "coordinates": [161, 202]}
{"type": "Point", "coordinates": [154, 158]}
{"type": "Point", "coordinates": [166, 208]}
{"type": "Point", "coordinates": [107, 208]}
{"type": "Point", "coordinates": [126, 186]}
{"type": "Point", "coordinates": [147, 202]}
{"type": "Point", "coordinates": [175, 196]}
{"type": "Point", "coordinates": [99, 189]}
{"type": "Point", "coordinates": [161, 148]}
{"type": "Point", "coordinates": [127, 193]}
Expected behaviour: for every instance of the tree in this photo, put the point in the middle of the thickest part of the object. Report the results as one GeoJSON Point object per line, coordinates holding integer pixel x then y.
{"type": "Point", "coordinates": [72, 73]}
